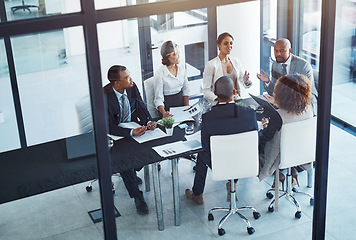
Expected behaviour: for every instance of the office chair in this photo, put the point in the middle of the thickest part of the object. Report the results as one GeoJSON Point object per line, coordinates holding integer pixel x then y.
{"type": "Point", "coordinates": [85, 122]}
{"type": "Point", "coordinates": [24, 7]}
{"type": "Point", "coordinates": [150, 97]}
{"type": "Point", "coordinates": [297, 147]}
{"type": "Point", "coordinates": [234, 156]}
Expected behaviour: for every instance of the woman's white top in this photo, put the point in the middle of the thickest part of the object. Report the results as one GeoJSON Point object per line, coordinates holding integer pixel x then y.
{"type": "Point", "coordinates": [167, 84]}
{"type": "Point", "coordinates": [213, 71]}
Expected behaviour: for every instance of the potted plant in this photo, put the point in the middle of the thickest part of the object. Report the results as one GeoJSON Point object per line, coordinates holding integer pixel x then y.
{"type": "Point", "coordinates": [167, 122]}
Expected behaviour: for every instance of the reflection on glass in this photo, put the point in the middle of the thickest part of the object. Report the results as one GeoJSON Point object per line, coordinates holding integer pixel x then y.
{"type": "Point", "coordinates": [270, 18]}
{"type": "Point", "coordinates": [344, 78]}
{"type": "Point", "coordinates": [52, 77]}
{"type": "Point", "coordinates": [9, 137]}
{"type": "Point", "coordinates": [19, 9]}
{"type": "Point", "coordinates": [311, 32]}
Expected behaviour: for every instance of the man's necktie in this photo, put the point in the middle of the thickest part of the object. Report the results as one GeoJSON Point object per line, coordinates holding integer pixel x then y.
{"type": "Point", "coordinates": [284, 69]}
{"type": "Point", "coordinates": [125, 109]}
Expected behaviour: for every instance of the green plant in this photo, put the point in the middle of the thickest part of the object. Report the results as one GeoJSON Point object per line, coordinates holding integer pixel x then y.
{"type": "Point", "coordinates": [242, 104]}
{"type": "Point", "coordinates": [166, 122]}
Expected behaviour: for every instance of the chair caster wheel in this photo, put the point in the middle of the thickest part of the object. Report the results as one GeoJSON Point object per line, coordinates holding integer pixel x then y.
{"type": "Point", "coordinates": [256, 215]}
{"type": "Point", "coordinates": [298, 214]}
{"type": "Point", "coordinates": [250, 230]}
{"type": "Point", "coordinates": [89, 188]}
{"type": "Point", "coordinates": [271, 209]}
{"type": "Point", "coordinates": [311, 201]}
{"type": "Point", "coordinates": [269, 195]}
{"type": "Point", "coordinates": [221, 231]}
{"type": "Point", "coordinates": [210, 217]}
{"type": "Point", "coordinates": [294, 190]}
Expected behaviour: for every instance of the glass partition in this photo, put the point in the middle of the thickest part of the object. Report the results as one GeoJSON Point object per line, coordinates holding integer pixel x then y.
{"type": "Point", "coordinates": [48, 65]}
{"type": "Point", "coordinates": [121, 3]}
{"type": "Point", "coordinates": [25, 9]}
{"type": "Point", "coordinates": [9, 137]}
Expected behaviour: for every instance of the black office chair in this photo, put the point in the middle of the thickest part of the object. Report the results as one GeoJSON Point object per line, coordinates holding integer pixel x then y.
{"type": "Point", "coordinates": [24, 7]}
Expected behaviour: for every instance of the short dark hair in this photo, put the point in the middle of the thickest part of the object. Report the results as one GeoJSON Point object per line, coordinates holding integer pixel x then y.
{"type": "Point", "coordinates": [222, 36]}
{"type": "Point", "coordinates": [114, 72]}
{"type": "Point", "coordinates": [292, 93]}
{"type": "Point", "coordinates": [224, 88]}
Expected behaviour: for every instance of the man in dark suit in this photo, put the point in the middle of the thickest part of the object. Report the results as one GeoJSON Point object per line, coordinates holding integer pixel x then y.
{"type": "Point", "coordinates": [125, 104]}
{"type": "Point", "coordinates": [287, 63]}
{"type": "Point", "coordinates": [224, 118]}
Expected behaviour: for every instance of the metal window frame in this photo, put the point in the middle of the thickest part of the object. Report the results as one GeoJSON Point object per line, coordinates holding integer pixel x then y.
{"type": "Point", "coordinates": [89, 18]}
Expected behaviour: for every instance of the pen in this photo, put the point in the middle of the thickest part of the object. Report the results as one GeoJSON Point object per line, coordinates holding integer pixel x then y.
{"type": "Point", "coordinates": [187, 109]}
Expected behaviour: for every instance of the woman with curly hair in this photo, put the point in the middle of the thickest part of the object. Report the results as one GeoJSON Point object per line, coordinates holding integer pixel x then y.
{"type": "Point", "coordinates": [292, 96]}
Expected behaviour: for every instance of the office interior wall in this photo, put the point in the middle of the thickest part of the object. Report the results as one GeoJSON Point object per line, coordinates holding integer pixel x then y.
{"type": "Point", "coordinates": [9, 137]}
{"type": "Point", "coordinates": [242, 21]}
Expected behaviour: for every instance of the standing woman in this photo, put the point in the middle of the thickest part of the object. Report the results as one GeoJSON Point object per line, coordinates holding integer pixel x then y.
{"type": "Point", "coordinates": [171, 83]}
{"type": "Point", "coordinates": [224, 65]}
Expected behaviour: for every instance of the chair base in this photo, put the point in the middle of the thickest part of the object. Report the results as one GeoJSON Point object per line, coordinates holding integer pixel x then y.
{"type": "Point", "coordinates": [289, 194]}
{"type": "Point", "coordinates": [89, 187]}
{"type": "Point", "coordinates": [233, 210]}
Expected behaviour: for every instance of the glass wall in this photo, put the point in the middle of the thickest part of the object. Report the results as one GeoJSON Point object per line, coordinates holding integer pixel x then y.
{"type": "Point", "coordinates": [18, 9]}
{"type": "Point", "coordinates": [9, 137]}
{"type": "Point", "coordinates": [48, 65]}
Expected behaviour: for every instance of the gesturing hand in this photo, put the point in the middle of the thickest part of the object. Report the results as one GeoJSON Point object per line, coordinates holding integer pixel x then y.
{"type": "Point", "coordinates": [263, 76]}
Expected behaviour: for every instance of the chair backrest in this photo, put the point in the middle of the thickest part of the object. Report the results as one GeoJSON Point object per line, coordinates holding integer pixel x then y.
{"type": "Point", "coordinates": [150, 97]}
{"type": "Point", "coordinates": [234, 156]}
{"type": "Point", "coordinates": [85, 120]}
{"type": "Point", "coordinates": [298, 141]}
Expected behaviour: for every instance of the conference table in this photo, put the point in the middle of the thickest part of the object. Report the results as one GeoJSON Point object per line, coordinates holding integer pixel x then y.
{"type": "Point", "coordinates": [126, 154]}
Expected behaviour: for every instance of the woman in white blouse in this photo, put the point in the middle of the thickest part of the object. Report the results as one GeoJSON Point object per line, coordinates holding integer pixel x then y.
{"type": "Point", "coordinates": [171, 84]}
{"type": "Point", "coordinates": [224, 65]}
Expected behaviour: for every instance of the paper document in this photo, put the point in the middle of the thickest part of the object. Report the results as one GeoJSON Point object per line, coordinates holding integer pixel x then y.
{"type": "Point", "coordinates": [150, 135]}
{"type": "Point", "coordinates": [175, 148]}
{"type": "Point", "coordinates": [185, 113]}
{"type": "Point", "coordinates": [113, 137]}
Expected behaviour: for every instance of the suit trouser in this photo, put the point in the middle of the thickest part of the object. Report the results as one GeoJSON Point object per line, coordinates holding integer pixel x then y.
{"type": "Point", "coordinates": [201, 170]}
{"type": "Point", "coordinates": [130, 183]}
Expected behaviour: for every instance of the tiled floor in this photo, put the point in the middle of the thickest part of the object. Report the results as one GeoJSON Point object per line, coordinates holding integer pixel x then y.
{"type": "Point", "coordinates": [62, 214]}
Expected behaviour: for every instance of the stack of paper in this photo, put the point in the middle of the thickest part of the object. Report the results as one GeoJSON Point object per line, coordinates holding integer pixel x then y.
{"type": "Point", "coordinates": [185, 113]}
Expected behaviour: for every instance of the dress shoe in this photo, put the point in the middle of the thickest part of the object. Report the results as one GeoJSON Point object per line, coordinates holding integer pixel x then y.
{"type": "Point", "coordinates": [295, 176]}
{"type": "Point", "coordinates": [195, 199]}
{"type": "Point", "coordinates": [228, 190]}
{"type": "Point", "coordinates": [141, 205]}
{"type": "Point", "coordinates": [138, 180]}
{"type": "Point", "coordinates": [281, 180]}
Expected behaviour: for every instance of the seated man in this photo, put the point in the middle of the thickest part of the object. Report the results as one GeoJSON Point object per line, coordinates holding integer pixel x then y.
{"type": "Point", "coordinates": [125, 104]}
{"type": "Point", "coordinates": [224, 118]}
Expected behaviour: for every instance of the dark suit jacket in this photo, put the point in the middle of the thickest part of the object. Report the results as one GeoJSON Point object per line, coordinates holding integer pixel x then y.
{"type": "Point", "coordinates": [139, 112]}
{"type": "Point", "coordinates": [225, 119]}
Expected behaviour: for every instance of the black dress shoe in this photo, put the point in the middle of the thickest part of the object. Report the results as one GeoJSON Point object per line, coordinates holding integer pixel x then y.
{"type": "Point", "coordinates": [141, 205]}
{"type": "Point", "coordinates": [138, 180]}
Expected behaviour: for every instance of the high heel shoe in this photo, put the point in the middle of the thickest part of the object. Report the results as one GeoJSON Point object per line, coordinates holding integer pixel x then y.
{"type": "Point", "coordinates": [295, 176]}
{"type": "Point", "coordinates": [281, 180]}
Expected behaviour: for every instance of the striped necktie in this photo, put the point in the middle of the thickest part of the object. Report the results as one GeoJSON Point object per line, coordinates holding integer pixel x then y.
{"type": "Point", "coordinates": [125, 109]}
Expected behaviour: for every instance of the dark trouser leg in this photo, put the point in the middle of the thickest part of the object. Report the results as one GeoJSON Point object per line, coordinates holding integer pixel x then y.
{"type": "Point", "coordinates": [200, 176]}
{"type": "Point", "coordinates": [130, 183]}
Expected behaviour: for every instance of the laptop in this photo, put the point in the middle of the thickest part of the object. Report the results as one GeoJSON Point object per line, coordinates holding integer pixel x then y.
{"type": "Point", "coordinates": [264, 103]}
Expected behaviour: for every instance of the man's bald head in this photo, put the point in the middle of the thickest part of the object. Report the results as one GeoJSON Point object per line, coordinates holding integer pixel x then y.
{"type": "Point", "coordinates": [282, 50]}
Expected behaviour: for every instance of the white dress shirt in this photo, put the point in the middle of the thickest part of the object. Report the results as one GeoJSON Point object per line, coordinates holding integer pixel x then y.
{"type": "Point", "coordinates": [167, 84]}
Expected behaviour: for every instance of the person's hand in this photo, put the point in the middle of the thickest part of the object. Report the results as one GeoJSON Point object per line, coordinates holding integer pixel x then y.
{"type": "Point", "coordinates": [270, 99]}
{"type": "Point", "coordinates": [263, 76]}
{"type": "Point", "coordinates": [166, 114]}
{"type": "Point", "coordinates": [246, 78]}
{"type": "Point", "coordinates": [139, 131]}
{"type": "Point", "coordinates": [265, 122]}
{"type": "Point", "coordinates": [152, 125]}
